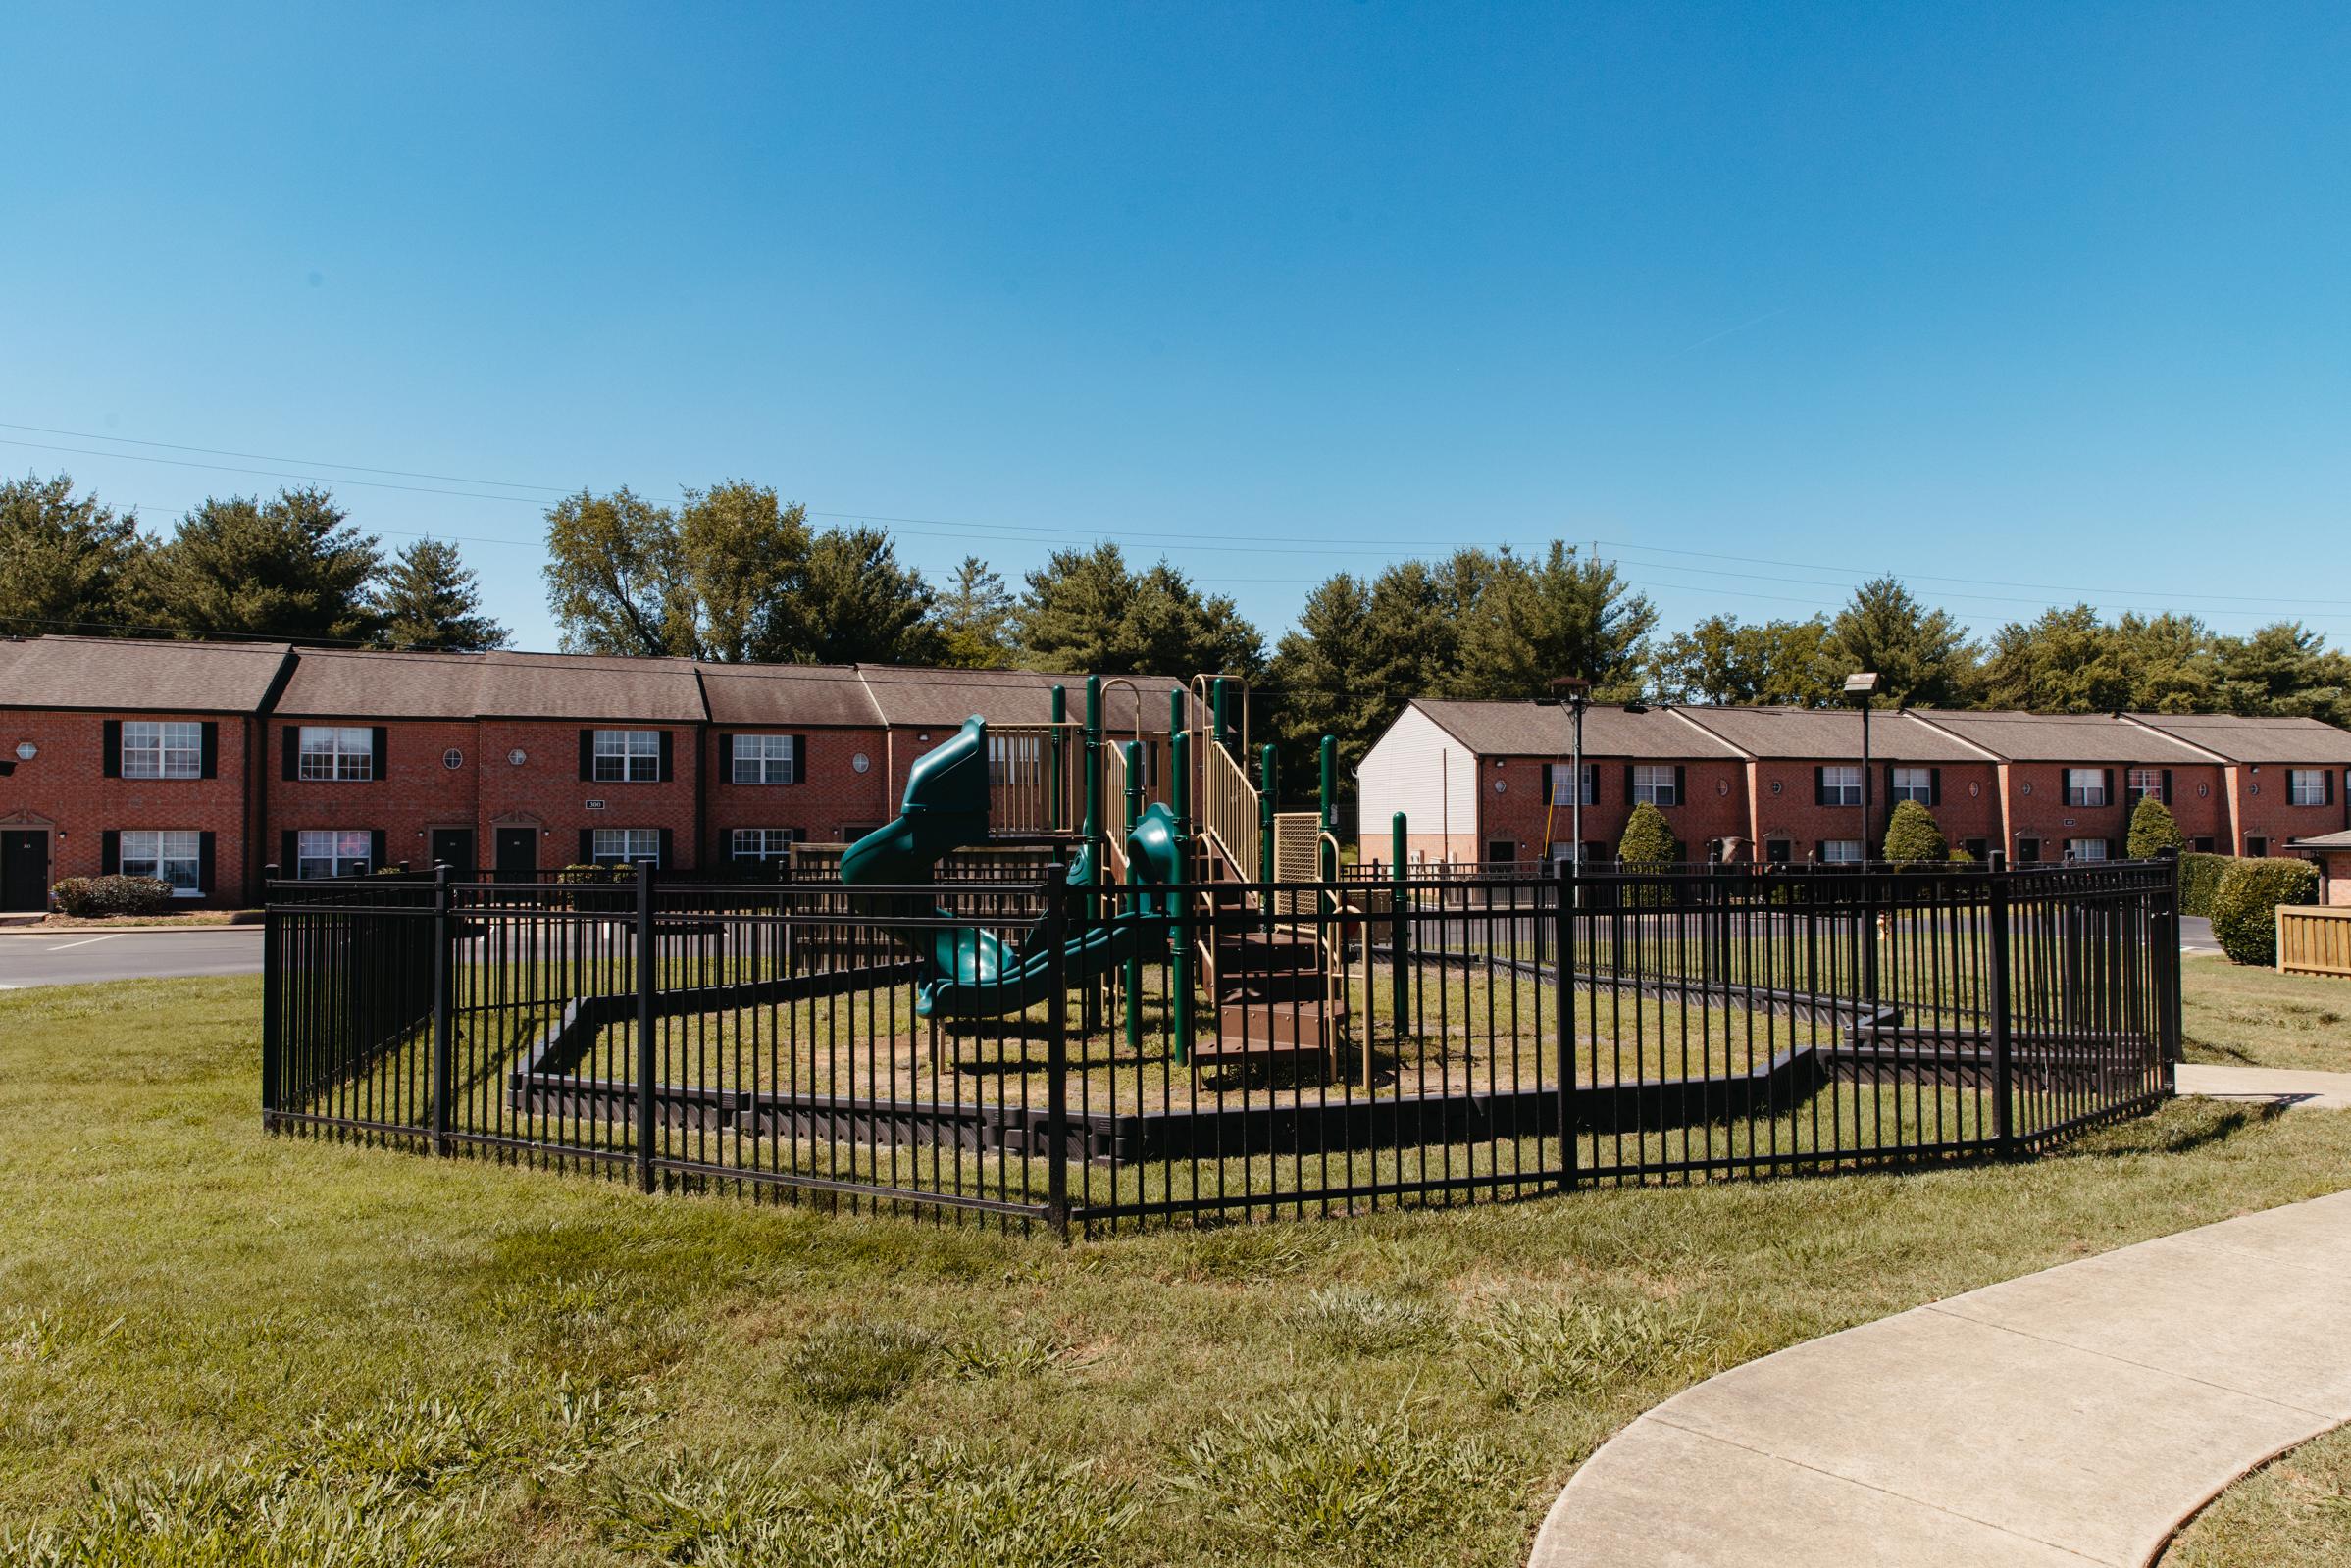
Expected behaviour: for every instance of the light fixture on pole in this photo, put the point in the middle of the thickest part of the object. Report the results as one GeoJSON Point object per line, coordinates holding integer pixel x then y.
{"type": "Point", "coordinates": [1863, 684]}
{"type": "Point", "coordinates": [1578, 696]}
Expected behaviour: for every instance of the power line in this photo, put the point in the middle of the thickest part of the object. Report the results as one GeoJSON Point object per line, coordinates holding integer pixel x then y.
{"type": "Point", "coordinates": [1251, 544]}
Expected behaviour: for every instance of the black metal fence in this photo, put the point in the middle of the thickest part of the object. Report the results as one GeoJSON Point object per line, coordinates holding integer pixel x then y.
{"type": "Point", "coordinates": [1187, 1057]}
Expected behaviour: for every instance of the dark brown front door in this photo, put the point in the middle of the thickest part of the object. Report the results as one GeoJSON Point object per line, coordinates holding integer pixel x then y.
{"type": "Point", "coordinates": [453, 847]}
{"type": "Point", "coordinates": [24, 870]}
{"type": "Point", "coordinates": [518, 854]}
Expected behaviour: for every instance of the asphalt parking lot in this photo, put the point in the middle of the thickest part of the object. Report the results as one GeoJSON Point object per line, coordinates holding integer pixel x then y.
{"type": "Point", "coordinates": [80, 956]}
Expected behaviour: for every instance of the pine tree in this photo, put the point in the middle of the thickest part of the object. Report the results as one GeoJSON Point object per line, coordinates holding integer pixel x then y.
{"type": "Point", "coordinates": [1914, 837]}
{"type": "Point", "coordinates": [972, 615]}
{"type": "Point", "coordinates": [1922, 657]}
{"type": "Point", "coordinates": [430, 599]}
{"type": "Point", "coordinates": [2153, 830]}
{"type": "Point", "coordinates": [859, 606]}
{"type": "Point", "coordinates": [1084, 611]}
{"type": "Point", "coordinates": [63, 560]}
{"type": "Point", "coordinates": [291, 567]}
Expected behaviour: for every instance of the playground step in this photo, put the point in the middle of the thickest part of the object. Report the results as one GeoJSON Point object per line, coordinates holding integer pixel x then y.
{"type": "Point", "coordinates": [1284, 987]}
{"type": "Point", "coordinates": [1254, 950]}
{"type": "Point", "coordinates": [1233, 1050]}
{"type": "Point", "coordinates": [1295, 1024]}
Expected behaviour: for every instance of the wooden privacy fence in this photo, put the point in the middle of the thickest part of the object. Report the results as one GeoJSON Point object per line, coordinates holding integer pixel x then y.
{"type": "Point", "coordinates": [2314, 939]}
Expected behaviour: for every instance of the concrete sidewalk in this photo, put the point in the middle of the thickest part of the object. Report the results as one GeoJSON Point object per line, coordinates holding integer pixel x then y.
{"type": "Point", "coordinates": [2073, 1416]}
{"type": "Point", "coordinates": [2322, 1091]}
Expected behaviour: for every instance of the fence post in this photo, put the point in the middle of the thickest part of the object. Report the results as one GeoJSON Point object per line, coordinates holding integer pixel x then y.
{"type": "Point", "coordinates": [2003, 1109]}
{"type": "Point", "coordinates": [273, 1007]}
{"type": "Point", "coordinates": [2167, 970]}
{"type": "Point", "coordinates": [444, 979]}
{"type": "Point", "coordinates": [1057, 1060]}
{"type": "Point", "coordinates": [1400, 943]}
{"type": "Point", "coordinates": [1564, 889]}
{"type": "Point", "coordinates": [646, 1056]}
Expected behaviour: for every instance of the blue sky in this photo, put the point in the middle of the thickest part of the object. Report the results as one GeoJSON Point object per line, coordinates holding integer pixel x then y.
{"type": "Point", "coordinates": [2026, 303]}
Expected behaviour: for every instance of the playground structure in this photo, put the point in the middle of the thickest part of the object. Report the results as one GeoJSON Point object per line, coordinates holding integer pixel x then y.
{"type": "Point", "coordinates": [1074, 982]}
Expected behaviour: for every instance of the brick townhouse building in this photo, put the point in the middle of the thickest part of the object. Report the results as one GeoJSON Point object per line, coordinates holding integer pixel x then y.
{"type": "Point", "coordinates": [1488, 780]}
{"type": "Point", "coordinates": [202, 763]}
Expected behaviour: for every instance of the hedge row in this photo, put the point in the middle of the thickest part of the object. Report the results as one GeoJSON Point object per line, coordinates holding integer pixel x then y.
{"type": "Point", "coordinates": [2245, 906]}
{"type": "Point", "coordinates": [2199, 878]}
{"type": "Point", "coordinates": [89, 898]}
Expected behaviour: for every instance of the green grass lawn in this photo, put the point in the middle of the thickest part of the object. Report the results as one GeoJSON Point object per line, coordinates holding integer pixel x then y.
{"type": "Point", "coordinates": [2260, 1018]}
{"type": "Point", "coordinates": [224, 1348]}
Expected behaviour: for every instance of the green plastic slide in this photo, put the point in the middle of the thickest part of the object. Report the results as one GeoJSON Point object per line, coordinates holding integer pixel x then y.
{"type": "Point", "coordinates": [974, 973]}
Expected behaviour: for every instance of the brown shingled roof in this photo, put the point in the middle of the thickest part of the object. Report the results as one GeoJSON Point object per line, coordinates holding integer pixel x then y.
{"type": "Point", "coordinates": [1547, 730]}
{"type": "Point", "coordinates": [136, 675]}
{"type": "Point", "coordinates": [574, 685]}
{"type": "Point", "coordinates": [1811, 733]}
{"type": "Point", "coordinates": [910, 695]}
{"type": "Point", "coordinates": [2083, 737]}
{"type": "Point", "coordinates": [350, 683]}
{"type": "Point", "coordinates": [825, 694]}
{"type": "Point", "coordinates": [2246, 739]}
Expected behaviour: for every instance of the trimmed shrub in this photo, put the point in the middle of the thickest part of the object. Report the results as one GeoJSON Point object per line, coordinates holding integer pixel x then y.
{"type": "Point", "coordinates": [2244, 909]}
{"type": "Point", "coordinates": [1648, 843]}
{"type": "Point", "coordinates": [1913, 836]}
{"type": "Point", "coordinates": [91, 897]}
{"type": "Point", "coordinates": [2152, 830]}
{"type": "Point", "coordinates": [2199, 878]}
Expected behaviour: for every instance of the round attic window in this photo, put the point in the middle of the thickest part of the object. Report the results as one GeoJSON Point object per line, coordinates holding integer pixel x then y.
{"type": "Point", "coordinates": [27, 751]}
{"type": "Point", "coordinates": [861, 762]}
{"type": "Point", "coordinates": [1502, 786]}
{"type": "Point", "coordinates": [518, 756]}
{"type": "Point", "coordinates": [452, 759]}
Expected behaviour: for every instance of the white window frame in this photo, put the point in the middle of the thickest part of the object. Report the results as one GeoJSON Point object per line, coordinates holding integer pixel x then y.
{"type": "Point", "coordinates": [336, 753]}
{"type": "Point", "coordinates": [1653, 784]}
{"type": "Point", "coordinates": [324, 852]}
{"type": "Point", "coordinates": [625, 846]}
{"type": "Point", "coordinates": [1563, 785]}
{"type": "Point", "coordinates": [1843, 852]}
{"type": "Point", "coordinates": [764, 759]}
{"type": "Point", "coordinates": [1914, 783]}
{"type": "Point", "coordinates": [2143, 784]}
{"type": "Point", "coordinates": [2089, 792]}
{"type": "Point", "coordinates": [1841, 784]}
{"type": "Point", "coordinates": [157, 852]}
{"type": "Point", "coordinates": [2306, 786]}
{"type": "Point", "coordinates": [162, 748]}
{"type": "Point", "coordinates": [2085, 851]}
{"type": "Point", "coordinates": [627, 756]}
{"type": "Point", "coordinates": [764, 843]}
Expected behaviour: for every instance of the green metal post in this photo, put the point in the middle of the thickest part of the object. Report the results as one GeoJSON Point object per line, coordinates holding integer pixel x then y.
{"type": "Point", "coordinates": [1327, 754]}
{"type": "Point", "coordinates": [1134, 966]}
{"type": "Point", "coordinates": [1179, 800]}
{"type": "Point", "coordinates": [1094, 779]}
{"type": "Point", "coordinates": [1091, 1014]}
{"type": "Point", "coordinates": [1052, 760]}
{"type": "Point", "coordinates": [1266, 784]}
{"type": "Point", "coordinates": [1399, 949]}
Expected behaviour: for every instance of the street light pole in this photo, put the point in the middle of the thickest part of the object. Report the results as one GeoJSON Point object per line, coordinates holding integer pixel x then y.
{"type": "Point", "coordinates": [1863, 685]}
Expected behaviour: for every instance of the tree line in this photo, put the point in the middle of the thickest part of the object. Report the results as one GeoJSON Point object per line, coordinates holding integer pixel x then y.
{"type": "Point", "coordinates": [733, 573]}
{"type": "Point", "coordinates": [288, 568]}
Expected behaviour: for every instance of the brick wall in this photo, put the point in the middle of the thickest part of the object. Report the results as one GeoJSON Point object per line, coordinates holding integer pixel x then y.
{"type": "Point", "coordinates": [65, 789]}
{"type": "Point", "coordinates": [832, 793]}
{"type": "Point", "coordinates": [416, 793]}
{"type": "Point", "coordinates": [2266, 808]}
{"type": "Point", "coordinates": [545, 789]}
{"type": "Point", "coordinates": [1713, 806]}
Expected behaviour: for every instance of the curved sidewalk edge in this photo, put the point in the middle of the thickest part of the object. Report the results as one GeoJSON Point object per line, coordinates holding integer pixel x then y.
{"type": "Point", "coordinates": [2078, 1415]}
